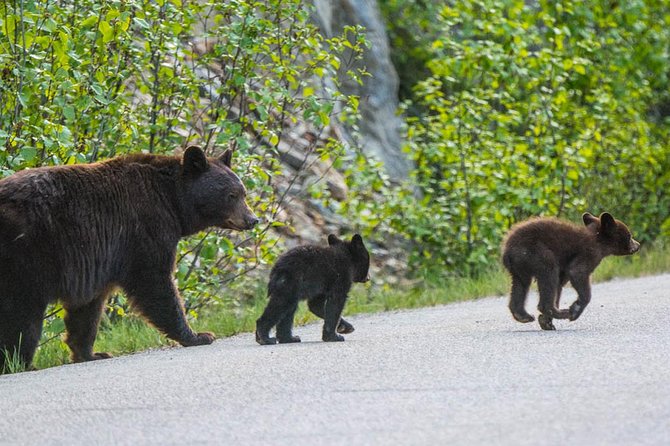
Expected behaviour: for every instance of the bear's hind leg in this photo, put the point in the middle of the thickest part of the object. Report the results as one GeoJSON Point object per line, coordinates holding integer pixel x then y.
{"type": "Point", "coordinates": [547, 285]}
{"type": "Point", "coordinates": [517, 300]}
{"type": "Point", "coordinates": [19, 336]}
{"type": "Point", "coordinates": [285, 327]}
{"type": "Point", "coordinates": [279, 305]}
{"type": "Point", "coordinates": [82, 326]}
{"type": "Point", "coordinates": [560, 314]}
{"type": "Point", "coordinates": [317, 306]}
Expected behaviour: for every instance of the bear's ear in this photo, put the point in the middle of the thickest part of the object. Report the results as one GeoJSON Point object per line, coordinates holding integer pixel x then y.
{"type": "Point", "coordinates": [333, 240]}
{"type": "Point", "coordinates": [226, 158]}
{"type": "Point", "coordinates": [195, 161]}
{"type": "Point", "coordinates": [357, 240]}
{"type": "Point", "coordinates": [588, 218]}
{"type": "Point", "coordinates": [607, 222]}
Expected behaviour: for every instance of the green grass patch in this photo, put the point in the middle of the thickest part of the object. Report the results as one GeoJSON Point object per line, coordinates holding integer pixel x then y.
{"type": "Point", "coordinates": [131, 333]}
{"type": "Point", "coordinates": [12, 362]}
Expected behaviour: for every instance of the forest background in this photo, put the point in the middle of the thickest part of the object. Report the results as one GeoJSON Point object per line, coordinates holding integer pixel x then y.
{"type": "Point", "coordinates": [508, 109]}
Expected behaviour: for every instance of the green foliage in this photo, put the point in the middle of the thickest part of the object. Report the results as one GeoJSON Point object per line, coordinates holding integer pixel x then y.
{"type": "Point", "coordinates": [411, 30]}
{"type": "Point", "coordinates": [85, 80]}
{"type": "Point", "coordinates": [12, 361]}
{"type": "Point", "coordinates": [543, 108]}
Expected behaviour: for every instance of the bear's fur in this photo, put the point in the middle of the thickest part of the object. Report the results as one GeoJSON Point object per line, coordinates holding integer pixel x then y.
{"type": "Point", "coordinates": [554, 252]}
{"type": "Point", "coordinates": [322, 275]}
{"type": "Point", "coordinates": [76, 233]}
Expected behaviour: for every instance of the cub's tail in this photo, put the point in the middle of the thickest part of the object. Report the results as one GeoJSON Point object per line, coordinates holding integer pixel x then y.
{"type": "Point", "coordinates": [281, 283]}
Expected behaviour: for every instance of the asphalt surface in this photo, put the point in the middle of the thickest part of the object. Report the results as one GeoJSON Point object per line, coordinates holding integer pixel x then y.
{"type": "Point", "coordinates": [461, 374]}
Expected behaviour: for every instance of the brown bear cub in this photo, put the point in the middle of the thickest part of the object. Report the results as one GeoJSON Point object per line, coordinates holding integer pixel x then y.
{"type": "Point", "coordinates": [554, 252]}
{"type": "Point", "coordinates": [76, 233]}
{"type": "Point", "coordinates": [323, 276]}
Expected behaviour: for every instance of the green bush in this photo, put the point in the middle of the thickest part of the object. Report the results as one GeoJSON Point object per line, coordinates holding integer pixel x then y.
{"type": "Point", "coordinates": [541, 108]}
{"type": "Point", "coordinates": [82, 81]}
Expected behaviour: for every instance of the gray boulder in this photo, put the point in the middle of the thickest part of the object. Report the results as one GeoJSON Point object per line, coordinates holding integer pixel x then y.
{"type": "Point", "coordinates": [380, 125]}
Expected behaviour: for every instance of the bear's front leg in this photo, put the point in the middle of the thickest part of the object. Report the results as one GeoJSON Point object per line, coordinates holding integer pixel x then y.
{"type": "Point", "coordinates": [317, 306]}
{"type": "Point", "coordinates": [156, 297]}
{"type": "Point", "coordinates": [333, 312]}
{"type": "Point", "coordinates": [548, 288]}
{"type": "Point", "coordinates": [81, 323]}
{"type": "Point", "coordinates": [582, 285]}
{"type": "Point", "coordinates": [556, 312]}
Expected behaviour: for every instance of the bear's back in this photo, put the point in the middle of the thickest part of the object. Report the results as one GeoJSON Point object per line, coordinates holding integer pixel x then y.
{"type": "Point", "coordinates": [533, 238]}
{"type": "Point", "coordinates": [312, 270]}
{"type": "Point", "coordinates": [75, 228]}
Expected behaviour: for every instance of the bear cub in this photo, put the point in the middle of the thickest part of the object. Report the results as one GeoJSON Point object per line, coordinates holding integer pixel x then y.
{"type": "Point", "coordinates": [322, 275]}
{"type": "Point", "coordinates": [554, 252]}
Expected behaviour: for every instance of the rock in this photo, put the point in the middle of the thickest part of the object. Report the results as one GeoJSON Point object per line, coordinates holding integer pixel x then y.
{"type": "Point", "coordinates": [337, 186]}
{"type": "Point", "coordinates": [380, 124]}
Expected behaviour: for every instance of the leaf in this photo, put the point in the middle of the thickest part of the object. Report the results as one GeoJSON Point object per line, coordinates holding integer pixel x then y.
{"type": "Point", "coordinates": [68, 112]}
{"type": "Point", "coordinates": [141, 23]}
{"type": "Point", "coordinates": [107, 31]}
{"type": "Point", "coordinates": [28, 153]}
{"type": "Point", "coordinates": [90, 21]}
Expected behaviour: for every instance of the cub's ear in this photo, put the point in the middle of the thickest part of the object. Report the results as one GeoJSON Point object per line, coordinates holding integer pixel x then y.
{"type": "Point", "coordinates": [607, 222]}
{"type": "Point", "coordinates": [333, 240]}
{"type": "Point", "coordinates": [226, 157]}
{"type": "Point", "coordinates": [357, 239]}
{"type": "Point", "coordinates": [195, 161]}
{"type": "Point", "coordinates": [588, 218]}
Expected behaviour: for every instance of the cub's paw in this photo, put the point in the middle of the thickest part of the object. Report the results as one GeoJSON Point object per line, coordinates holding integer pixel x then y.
{"type": "Point", "coordinates": [345, 327]}
{"type": "Point", "coordinates": [265, 339]}
{"type": "Point", "coordinates": [560, 314]}
{"type": "Point", "coordinates": [288, 339]}
{"type": "Point", "coordinates": [576, 310]}
{"type": "Point", "coordinates": [523, 317]}
{"type": "Point", "coordinates": [546, 322]}
{"type": "Point", "coordinates": [101, 355]}
{"type": "Point", "coordinates": [332, 337]}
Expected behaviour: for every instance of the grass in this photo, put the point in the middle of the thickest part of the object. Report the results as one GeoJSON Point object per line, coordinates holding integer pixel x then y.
{"type": "Point", "coordinates": [12, 362]}
{"type": "Point", "coordinates": [132, 334]}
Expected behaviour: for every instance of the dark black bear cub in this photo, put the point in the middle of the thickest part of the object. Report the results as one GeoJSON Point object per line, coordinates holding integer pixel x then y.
{"type": "Point", "coordinates": [321, 274]}
{"type": "Point", "coordinates": [554, 252]}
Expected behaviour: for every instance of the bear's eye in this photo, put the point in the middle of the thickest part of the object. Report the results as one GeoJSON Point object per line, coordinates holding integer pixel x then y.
{"type": "Point", "coordinates": [232, 196]}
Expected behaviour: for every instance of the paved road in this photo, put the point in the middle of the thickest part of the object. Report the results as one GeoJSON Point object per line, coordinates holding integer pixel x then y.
{"type": "Point", "coordinates": [458, 374]}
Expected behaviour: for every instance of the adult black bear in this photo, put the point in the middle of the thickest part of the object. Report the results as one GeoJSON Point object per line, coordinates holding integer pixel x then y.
{"type": "Point", "coordinates": [75, 233]}
{"type": "Point", "coordinates": [321, 274]}
{"type": "Point", "coordinates": [555, 252]}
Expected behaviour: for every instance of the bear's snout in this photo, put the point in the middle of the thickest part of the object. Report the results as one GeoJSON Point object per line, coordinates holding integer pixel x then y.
{"type": "Point", "coordinates": [252, 221]}
{"type": "Point", "coordinates": [634, 246]}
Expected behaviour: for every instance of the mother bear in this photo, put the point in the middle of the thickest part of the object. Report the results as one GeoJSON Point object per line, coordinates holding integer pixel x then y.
{"type": "Point", "coordinates": [76, 233]}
